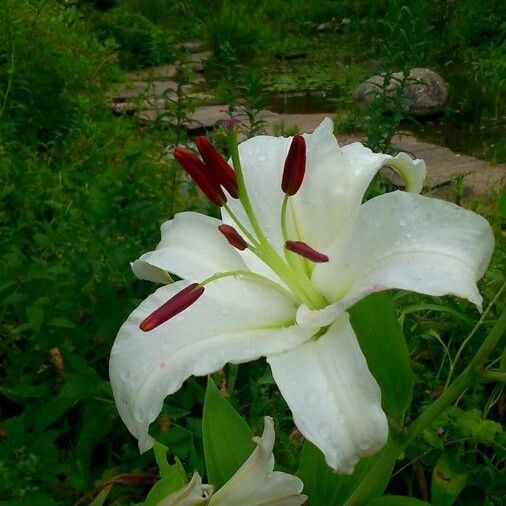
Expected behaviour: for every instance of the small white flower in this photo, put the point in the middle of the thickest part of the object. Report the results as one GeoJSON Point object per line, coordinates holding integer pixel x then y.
{"type": "Point", "coordinates": [261, 299]}
{"type": "Point", "coordinates": [254, 484]}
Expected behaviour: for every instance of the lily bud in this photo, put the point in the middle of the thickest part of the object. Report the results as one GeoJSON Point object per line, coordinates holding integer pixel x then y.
{"type": "Point", "coordinates": [295, 166]}
{"type": "Point", "coordinates": [218, 166]}
{"type": "Point", "coordinates": [182, 300]}
{"type": "Point", "coordinates": [198, 172]}
{"type": "Point", "coordinates": [233, 237]}
{"type": "Point", "coordinates": [304, 250]}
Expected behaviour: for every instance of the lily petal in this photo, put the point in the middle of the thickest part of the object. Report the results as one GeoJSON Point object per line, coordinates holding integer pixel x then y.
{"type": "Point", "coordinates": [364, 164]}
{"type": "Point", "coordinates": [415, 243]}
{"type": "Point", "coordinates": [235, 320]}
{"type": "Point", "coordinates": [193, 494]}
{"type": "Point", "coordinates": [262, 161]}
{"type": "Point", "coordinates": [191, 247]}
{"type": "Point", "coordinates": [255, 483]}
{"type": "Point", "coordinates": [320, 207]}
{"type": "Point", "coordinates": [335, 401]}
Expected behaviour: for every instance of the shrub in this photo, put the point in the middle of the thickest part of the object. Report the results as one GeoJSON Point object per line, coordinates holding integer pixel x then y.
{"type": "Point", "coordinates": [140, 42]}
{"type": "Point", "coordinates": [48, 63]}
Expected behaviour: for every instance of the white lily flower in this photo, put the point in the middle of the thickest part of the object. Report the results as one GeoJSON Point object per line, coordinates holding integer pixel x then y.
{"type": "Point", "coordinates": [254, 484]}
{"type": "Point", "coordinates": [300, 260]}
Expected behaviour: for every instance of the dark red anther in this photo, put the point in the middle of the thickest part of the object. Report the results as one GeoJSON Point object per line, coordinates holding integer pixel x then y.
{"type": "Point", "coordinates": [218, 168]}
{"type": "Point", "coordinates": [185, 298]}
{"type": "Point", "coordinates": [233, 237]}
{"type": "Point", "coordinates": [199, 173]}
{"type": "Point", "coordinates": [304, 250]}
{"type": "Point", "coordinates": [295, 166]}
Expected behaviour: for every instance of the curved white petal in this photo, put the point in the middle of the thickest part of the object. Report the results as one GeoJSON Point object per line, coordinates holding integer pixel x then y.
{"type": "Point", "coordinates": [143, 269]}
{"type": "Point", "coordinates": [321, 205]}
{"type": "Point", "coordinates": [263, 159]}
{"type": "Point", "coordinates": [334, 183]}
{"type": "Point", "coordinates": [335, 401]}
{"type": "Point", "coordinates": [364, 164]}
{"type": "Point", "coordinates": [255, 483]}
{"type": "Point", "coordinates": [192, 248]}
{"type": "Point", "coordinates": [193, 494]}
{"type": "Point", "coordinates": [233, 321]}
{"type": "Point", "coordinates": [407, 241]}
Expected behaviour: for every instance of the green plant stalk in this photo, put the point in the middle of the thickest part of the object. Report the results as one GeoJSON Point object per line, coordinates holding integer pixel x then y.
{"type": "Point", "coordinates": [397, 445]}
{"type": "Point", "coordinates": [494, 376]}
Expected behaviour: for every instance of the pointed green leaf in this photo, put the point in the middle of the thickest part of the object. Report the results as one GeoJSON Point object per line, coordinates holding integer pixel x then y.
{"type": "Point", "coordinates": [227, 437]}
{"type": "Point", "coordinates": [448, 479]}
{"type": "Point", "coordinates": [397, 500]}
{"type": "Point", "coordinates": [323, 486]}
{"type": "Point", "coordinates": [173, 477]}
{"type": "Point", "coordinates": [382, 342]}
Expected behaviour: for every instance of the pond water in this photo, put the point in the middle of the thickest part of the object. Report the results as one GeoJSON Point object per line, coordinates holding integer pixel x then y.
{"type": "Point", "coordinates": [473, 123]}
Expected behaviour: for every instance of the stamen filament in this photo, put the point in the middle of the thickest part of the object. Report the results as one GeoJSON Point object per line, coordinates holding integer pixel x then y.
{"type": "Point", "coordinates": [243, 194]}
{"type": "Point", "coordinates": [298, 263]}
{"type": "Point", "coordinates": [240, 226]}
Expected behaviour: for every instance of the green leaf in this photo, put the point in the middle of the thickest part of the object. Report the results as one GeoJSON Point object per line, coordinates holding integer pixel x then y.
{"type": "Point", "coordinates": [502, 205]}
{"type": "Point", "coordinates": [101, 497]}
{"type": "Point", "coordinates": [52, 410]}
{"type": "Point", "coordinates": [397, 500]}
{"type": "Point", "coordinates": [227, 437]}
{"type": "Point", "coordinates": [35, 316]}
{"type": "Point", "coordinates": [448, 479]}
{"type": "Point", "coordinates": [173, 477]}
{"type": "Point", "coordinates": [382, 342]}
{"type": "Point", "coordinates": [323, 486]}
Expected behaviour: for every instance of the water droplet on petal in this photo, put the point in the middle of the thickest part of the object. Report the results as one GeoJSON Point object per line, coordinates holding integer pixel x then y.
{"type": "Point", "coordinates": [124, 375]}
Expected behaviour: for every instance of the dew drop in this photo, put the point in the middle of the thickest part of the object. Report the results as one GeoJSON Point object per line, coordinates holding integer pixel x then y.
{"type": "Point", "coordinates": [402, 223]}
{"type": "Point", "coordinates": [125, 375]}
{"type": "Point", "coordinates": [363, 444]}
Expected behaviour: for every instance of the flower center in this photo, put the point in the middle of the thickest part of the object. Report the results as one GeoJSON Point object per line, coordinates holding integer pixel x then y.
{"type": "Point", "coordinates": [212, 175]}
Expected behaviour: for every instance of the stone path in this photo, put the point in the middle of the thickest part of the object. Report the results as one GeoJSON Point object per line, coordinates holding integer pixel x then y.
{"type": "Point", "coordinates": [150, 91]}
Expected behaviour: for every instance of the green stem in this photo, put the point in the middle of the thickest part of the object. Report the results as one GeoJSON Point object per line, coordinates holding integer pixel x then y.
{"type": "Point", "coordinates": [394, 448]}
{"type": "Point", "coordinates": [243, 193]}
{"type": "Point", "coordinates": [453, 364]}
{"type": "Point", "coordinates": [493, 376]}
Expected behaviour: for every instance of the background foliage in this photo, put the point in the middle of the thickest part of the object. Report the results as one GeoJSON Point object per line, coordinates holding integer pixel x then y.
{"type": "Point", "coordinates": [82, 193]}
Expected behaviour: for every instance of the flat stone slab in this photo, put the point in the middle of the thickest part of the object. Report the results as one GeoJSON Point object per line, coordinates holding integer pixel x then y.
{"type": "Point", "coordinates": [203, 118]}
{"type": "Point", "coordinates": [143, 88]}
{"type": "Point", "coordinates": [304, 123]}
{"type": "Point", "coordinates": [160, 73]}
{"type": "Point", "coordinates": [193, 47]}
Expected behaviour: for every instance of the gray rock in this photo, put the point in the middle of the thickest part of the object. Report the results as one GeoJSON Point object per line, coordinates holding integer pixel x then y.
{"type": "Point", "coordinates": [323, 27]}
{"type": "Point", "coordinates": [427, 91]}
{"type": "Point", "coordinates": [193, 47]}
